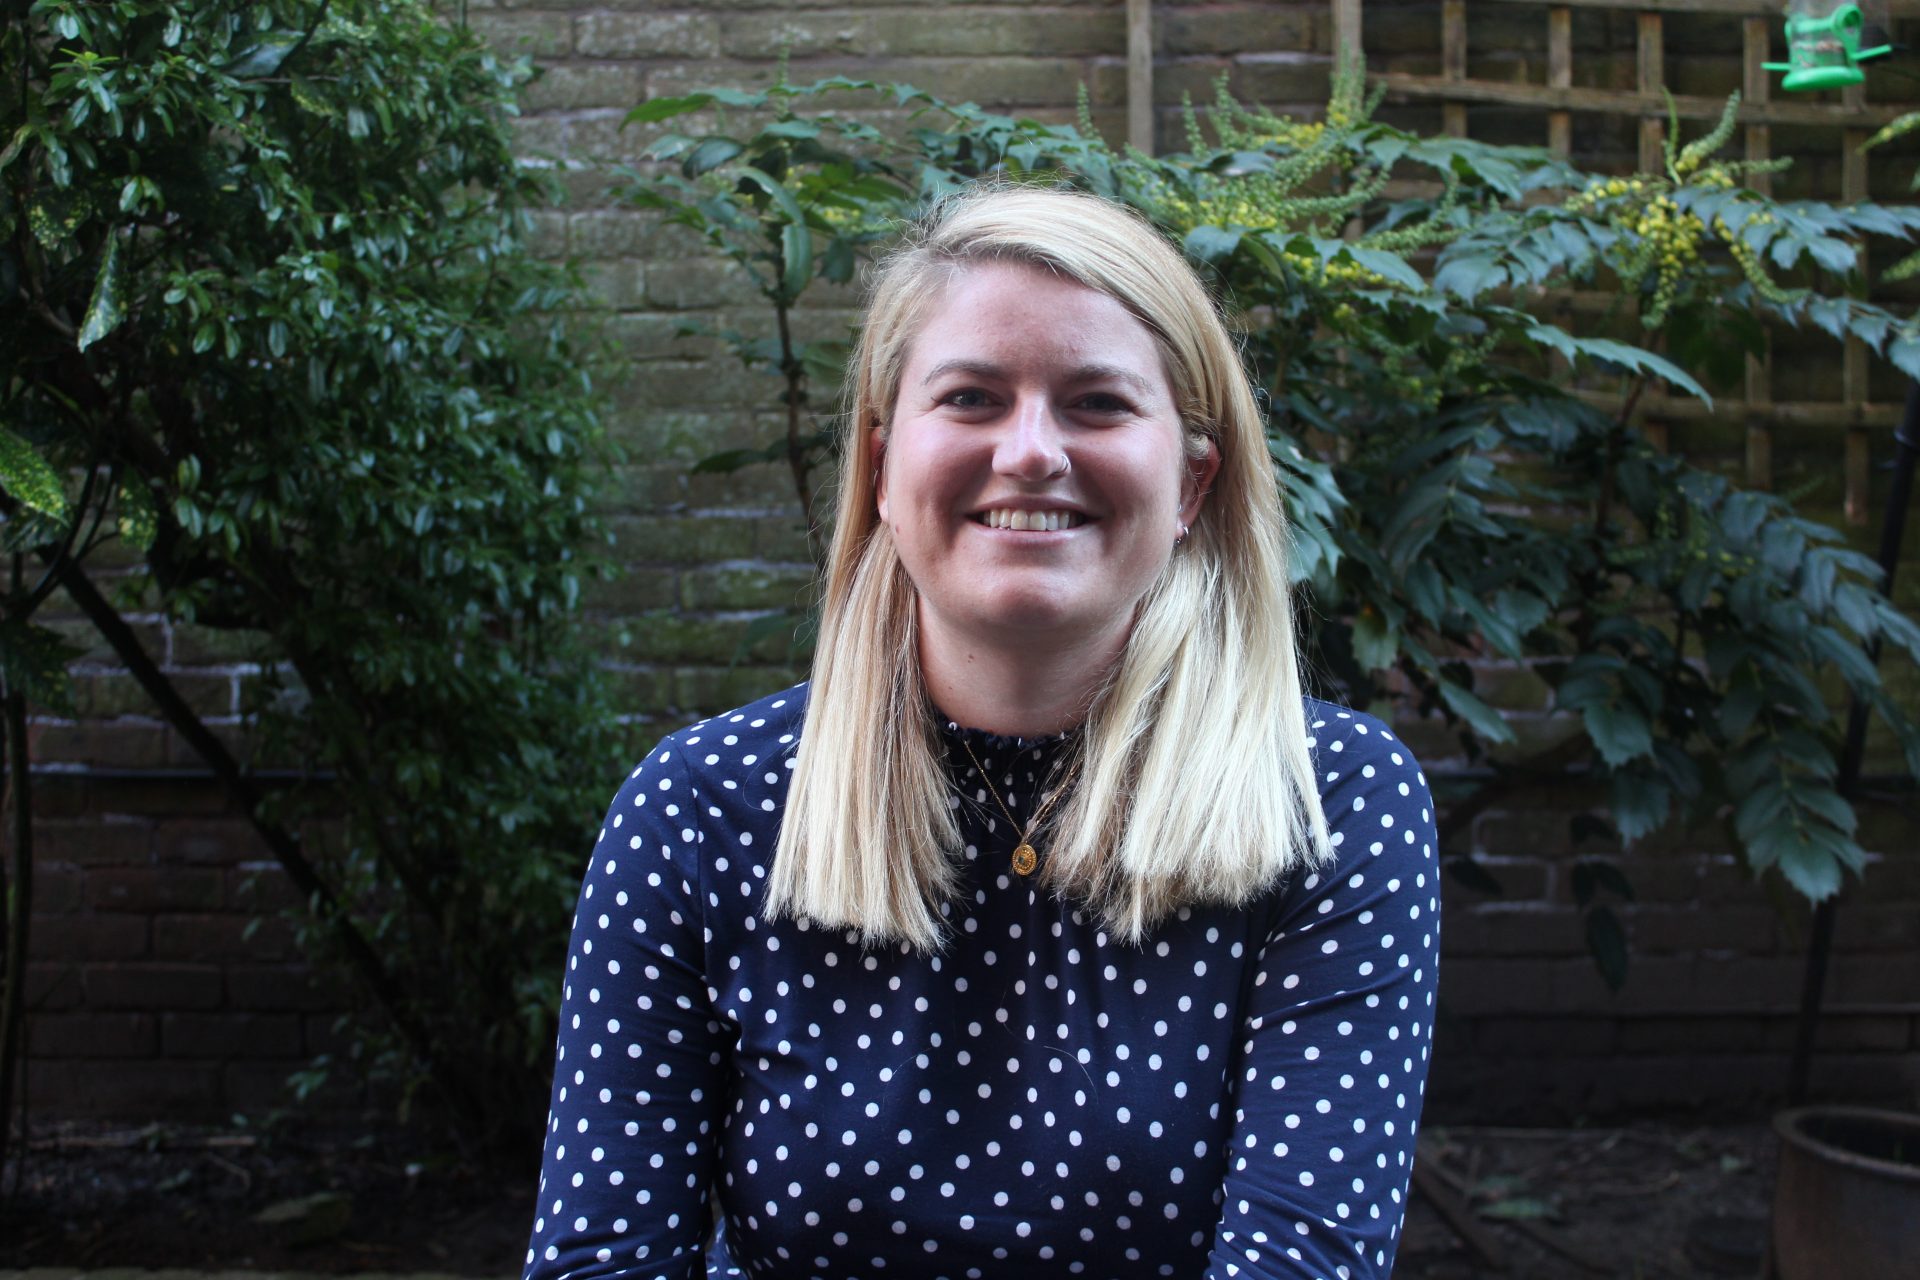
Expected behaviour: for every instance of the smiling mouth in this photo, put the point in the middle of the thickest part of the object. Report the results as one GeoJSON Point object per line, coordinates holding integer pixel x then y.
{"type": "Point", "coordinates": [1030, 521]}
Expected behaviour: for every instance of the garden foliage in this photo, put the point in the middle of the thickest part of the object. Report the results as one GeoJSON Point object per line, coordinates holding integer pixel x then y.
{"type": "Point", "coordinates": [270, 321]}
{"type": "Point", "coordinates": [1463, 472]}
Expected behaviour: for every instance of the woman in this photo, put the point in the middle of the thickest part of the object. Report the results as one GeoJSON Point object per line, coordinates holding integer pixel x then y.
{"type": "Point", "coordinates": [1047, 930]}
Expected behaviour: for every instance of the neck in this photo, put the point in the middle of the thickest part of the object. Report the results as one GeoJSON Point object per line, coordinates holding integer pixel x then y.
{"type": "Point", "coordinates": [1015, 685]}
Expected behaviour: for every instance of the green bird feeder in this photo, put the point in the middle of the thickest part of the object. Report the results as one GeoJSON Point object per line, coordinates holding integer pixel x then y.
{"type": "Point", "coordinates": [1826, 42]}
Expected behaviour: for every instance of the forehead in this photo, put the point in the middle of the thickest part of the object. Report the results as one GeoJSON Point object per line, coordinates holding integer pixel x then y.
{"type": "Point", "coordinates": [1007, 312]}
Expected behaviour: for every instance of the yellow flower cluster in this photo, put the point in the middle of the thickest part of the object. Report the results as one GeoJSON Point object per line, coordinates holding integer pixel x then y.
{"type": "Point", "coordinates": [1350, 274]}
{"type": "Point", "coordinates": [1297, 134]}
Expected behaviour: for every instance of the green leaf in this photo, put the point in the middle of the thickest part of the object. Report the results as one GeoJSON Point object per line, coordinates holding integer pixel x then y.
{"type": "Point", "coordinates": [1390, 266]}
{"type": "Point", "coordinates": [1470, 275]}
{"type": "Point", "coordinates": [1607, 943]}
{"type": "Point", "coordinates": [34, 661]}
{"type": "Point", "coordinates": [1807, 856]}
{"type": "Point", "coordinates": [30, 478]}
{"type": "Point", "coordinates": [1484, 720]}
{"type": "Point", "coordinates": [709, 155]}
{"type": "Point", "coordinates": [138, 518]}
{"type": "Point", "coordinates": [796, 253]}
{"type": "Point", "coordinates": [1211, 244]}
{"type": "Point", "coordinates": [1472, 874]}
{"type": "Point", "coordinates": [1376, 641]}
{"type": "Point", "coordinates": [264, 58]}
{"type": "Point", "coordinates": [104, 311]}
{"type": "Point", "coordinates": [1621, 733]}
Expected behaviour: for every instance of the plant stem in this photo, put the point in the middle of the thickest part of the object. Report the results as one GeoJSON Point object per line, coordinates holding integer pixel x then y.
{"type": "Point", "coordinates": [796, 375]}
{"type": "Point", "coordinates": [19, 907]}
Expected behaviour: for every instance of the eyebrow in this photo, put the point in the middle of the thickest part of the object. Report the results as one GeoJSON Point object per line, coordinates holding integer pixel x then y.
{"type": "Point", "coordinates": [1085, 373]}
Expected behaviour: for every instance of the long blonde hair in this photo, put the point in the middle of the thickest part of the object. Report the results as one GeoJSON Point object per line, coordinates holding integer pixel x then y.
{"type": "Point", "coordinates": [1195, 782]}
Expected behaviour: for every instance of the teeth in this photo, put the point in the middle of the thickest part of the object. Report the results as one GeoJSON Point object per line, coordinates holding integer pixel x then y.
{"type": "Point", "coordinates": [1036, 521]}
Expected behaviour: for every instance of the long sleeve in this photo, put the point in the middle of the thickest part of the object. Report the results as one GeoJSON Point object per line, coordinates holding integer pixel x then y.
{"type": "Point", "coordinates": [641, 1065]}
{"type": "Point", "coordinates": [1337, 1031]}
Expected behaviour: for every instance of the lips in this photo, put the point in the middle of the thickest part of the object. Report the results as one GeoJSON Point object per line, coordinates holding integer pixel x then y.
{"type": "Point", "coordinates": [1020, 520]}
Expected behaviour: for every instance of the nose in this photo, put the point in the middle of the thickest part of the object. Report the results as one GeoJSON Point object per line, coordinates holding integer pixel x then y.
{"type": "Point", "coordinates": [1033, 446]}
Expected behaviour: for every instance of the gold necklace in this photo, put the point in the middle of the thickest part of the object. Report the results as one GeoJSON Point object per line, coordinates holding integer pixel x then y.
{"type": "Point", "coordinates": [1025, 857]}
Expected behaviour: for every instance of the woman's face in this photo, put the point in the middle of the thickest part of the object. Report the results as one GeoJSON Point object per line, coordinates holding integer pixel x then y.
{"type": "Point", "coordinates": [1033, 474]}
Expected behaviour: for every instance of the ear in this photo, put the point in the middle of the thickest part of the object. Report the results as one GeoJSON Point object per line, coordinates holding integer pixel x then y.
{"type": "Point", "coordinates": [877, 455]}
{"type": "Point", "coordinates": [1198, 483]}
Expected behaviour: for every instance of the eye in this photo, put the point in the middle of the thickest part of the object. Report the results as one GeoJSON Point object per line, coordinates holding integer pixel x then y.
{"type": "Point", "coordinates": [1103, 402]}
{"type": "Point", "coordinates": [964, 398]}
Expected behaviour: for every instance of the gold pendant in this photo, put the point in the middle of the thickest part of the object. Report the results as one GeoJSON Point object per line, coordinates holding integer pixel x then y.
{"type": "Point", "coordinates": [1025, 859]}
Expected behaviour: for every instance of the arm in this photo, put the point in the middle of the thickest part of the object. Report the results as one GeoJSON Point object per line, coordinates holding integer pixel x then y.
{"type": "Point", "coordinates": [1337, 1032]}
{"type": "Point", "coordinates": [640, 1069]}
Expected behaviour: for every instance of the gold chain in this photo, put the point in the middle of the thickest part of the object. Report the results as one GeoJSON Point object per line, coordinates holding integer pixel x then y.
{"type": "Point", "coordinates": [1025, 857]}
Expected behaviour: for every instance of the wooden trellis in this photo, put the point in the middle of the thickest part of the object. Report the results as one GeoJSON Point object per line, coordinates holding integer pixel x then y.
{"type": "Point", "coordinates": [1559, 99]}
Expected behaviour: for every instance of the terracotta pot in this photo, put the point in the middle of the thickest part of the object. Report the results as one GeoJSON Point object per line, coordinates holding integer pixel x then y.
{"type": "Point", "coordinates": [1847, 1202]}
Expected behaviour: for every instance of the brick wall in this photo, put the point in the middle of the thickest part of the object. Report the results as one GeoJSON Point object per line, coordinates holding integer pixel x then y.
{"type": "Point", "coordinates": [151, 996]}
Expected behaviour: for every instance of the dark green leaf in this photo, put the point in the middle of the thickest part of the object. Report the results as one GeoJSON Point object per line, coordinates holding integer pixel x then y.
{"type": "Point", "coordinates": [1607, 943]}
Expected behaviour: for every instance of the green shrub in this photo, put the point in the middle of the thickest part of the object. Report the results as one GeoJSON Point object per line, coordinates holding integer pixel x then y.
{"type": "Point", "coordinates": [271, 317]}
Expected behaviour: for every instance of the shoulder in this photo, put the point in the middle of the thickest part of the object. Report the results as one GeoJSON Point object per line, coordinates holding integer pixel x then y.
{"type": "Point", "coordinates": [1351, 746]}
{"type": "Point", "coordinates": [761, 731]}
{"type": "Point", "coordinates": [1369, 781]}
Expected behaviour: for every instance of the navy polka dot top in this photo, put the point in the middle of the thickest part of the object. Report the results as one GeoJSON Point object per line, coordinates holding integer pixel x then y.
{"type": "Point", "coordinates": [1237, 1097]}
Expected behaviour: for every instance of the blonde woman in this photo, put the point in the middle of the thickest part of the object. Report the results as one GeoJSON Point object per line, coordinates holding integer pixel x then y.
{"type": "Point", "coordinates": [1048, 930]}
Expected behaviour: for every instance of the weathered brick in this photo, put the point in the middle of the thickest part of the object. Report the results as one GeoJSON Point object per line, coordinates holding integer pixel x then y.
{"type": "Point", "coordinates": [108, 1090]}
{"type": "Point", "coordinates": [620, 284]}
{"type": "Point", "coordinates": [84, 636]}
{"type": "Point", "coordinates": [622, 232]}
{"type": "Point", "coordinates": [200, 645]}
{"type": "Point", "coordinates": [136, 798]}
{"type": "Point", "coordinates": [992, 82]}
{"type": "Point", "coordinates": [88, 937]}
{"type": "Point", "coordinates": [705, 690]}
{"type": "Point", "coordinates": [108, 696]}
{"type": "Point", "coordinates": [260, 888]}
{"type": "Point", "coordinates": [647, 35]}
{"type": "Point", "coordinates": [1232, 30]}
{"type": "Point", "coordinates": [211, 842]}
{"type": "Point", "coordinates": [906, 33]}
{"type": "Point", "coordinates": [91, 1035]}
{"type": "Point", "coordinates": [278, 988]}
{"type": "Point", "coordinates": [745, 586]}
{"type": "Point", "coordinates": [150, 985]}
{"type": "Point", "coordinates": [541, 35]}
{"type": "Point", "coordinates": [222, 937]}
{"type": "Point", "coordinates": [53, 987]}
{"type": "Point", "coordinates": [230, 1035]}
{"type": "Point", "coordinates": [1742, 930]}
{"type": "Point", "coordinates": [681, 539]}
{"type": "Point", "coordinates": [698, 284]}
{"type": "Point", "coordinates": [123, 745]}
{"type": "Point", "coordinates": [1708, 1035]}
{"type": "Point", "coordinates": [57, 888]}
{"type": "Point", "coordinates": [1538, 1036]}
{"type": "Point", "coordinates": [1471, 988]}
{"type": "Point", "coordinates": [633, 591]}
{"type": "Point", "coordinates": [147, 889]}
{"type": "Point", "coordinates": [572, 86]}
{"type": "Point", "coordinates": [1873, 979]}
{"type": "Point", "coordinates": [267, 1087]}
{"type": "Point", "coordinates": [93, 841]}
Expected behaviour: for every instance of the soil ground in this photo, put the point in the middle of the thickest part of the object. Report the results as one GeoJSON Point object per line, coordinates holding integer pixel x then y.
{"type": "Point", "coordinates": [1648, 1200]}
